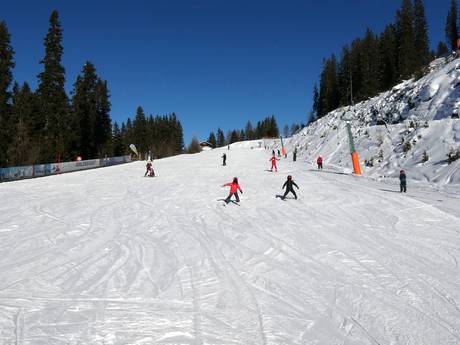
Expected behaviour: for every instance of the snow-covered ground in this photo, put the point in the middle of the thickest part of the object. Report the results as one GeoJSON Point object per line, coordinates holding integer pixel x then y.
{"type": "Point", "coordinates": [415, 122]}
{"type": "Point", "coordinates": [110, 257]}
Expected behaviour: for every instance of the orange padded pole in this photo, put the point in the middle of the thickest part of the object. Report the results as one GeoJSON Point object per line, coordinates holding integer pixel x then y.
{"type": "Point", "coordinates": [355, 160]}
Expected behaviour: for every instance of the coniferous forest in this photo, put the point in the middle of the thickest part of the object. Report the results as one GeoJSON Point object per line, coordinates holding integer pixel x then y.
{"type": "Point", "coordinates": [47, 125]}
{"type": "Point", "coordinates": [378, 61]}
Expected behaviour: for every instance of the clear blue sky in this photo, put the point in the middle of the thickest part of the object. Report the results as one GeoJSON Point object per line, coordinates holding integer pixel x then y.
{"type": "Point", "coordinates": [214, 63]}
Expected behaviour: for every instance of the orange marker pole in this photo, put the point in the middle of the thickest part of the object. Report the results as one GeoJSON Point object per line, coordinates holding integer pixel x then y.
{"type": "Point", "coordinates": [354, 154]}
{"type": "Point", "coordinates": [283, 150]}
{"type": "Point", "coordinates": [355, 160]}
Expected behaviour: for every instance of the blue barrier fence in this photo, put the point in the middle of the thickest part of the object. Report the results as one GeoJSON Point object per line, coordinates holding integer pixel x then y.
{"type": "Point", "coordinates": [38, 170]}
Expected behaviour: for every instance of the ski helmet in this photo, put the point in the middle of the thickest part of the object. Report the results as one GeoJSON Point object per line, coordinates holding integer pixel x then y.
{"type": "Point", "coordinates": [235, 180]}
{"type": "Point", "coordinates": [289, 177]}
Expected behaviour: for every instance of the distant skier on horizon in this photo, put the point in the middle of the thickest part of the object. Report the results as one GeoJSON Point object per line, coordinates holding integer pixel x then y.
{"type": "Point", "coordinates": [273, 160]}
{"type": "Point", "coordinates": [403, 182]}
{"type": "Point", "coordinates": [149, 170]}
{"type": "Point", "coordinates": [319, 162]}
{"type": "Point", "coordinates": [289, 187]}
{"type": "Point", "coordinates": [234, 188]}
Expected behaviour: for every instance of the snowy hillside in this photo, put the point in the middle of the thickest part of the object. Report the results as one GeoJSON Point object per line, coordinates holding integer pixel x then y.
{"type": "Point", "coordinates": [395, 129]}
{"type": "Point", "coordinates": [109, 257]}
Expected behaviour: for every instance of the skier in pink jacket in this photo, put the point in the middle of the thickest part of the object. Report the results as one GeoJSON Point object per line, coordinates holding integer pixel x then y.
{"type": "Point", "coordinates": [234, 188]}
{"type": "Point", "coordinates": [273, 160]}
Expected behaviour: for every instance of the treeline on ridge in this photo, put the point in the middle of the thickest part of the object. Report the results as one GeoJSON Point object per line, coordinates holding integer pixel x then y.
{"type": "Point", "coordinates": [267, 128]}
{"type": "Point", "coordinates": [377, 62]}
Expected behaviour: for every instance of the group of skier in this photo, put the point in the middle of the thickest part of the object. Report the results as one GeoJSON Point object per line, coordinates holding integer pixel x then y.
{"type": "Point", "coordinates": [235, 187]}
{"type": "Point", "coordinates": [289, 184]}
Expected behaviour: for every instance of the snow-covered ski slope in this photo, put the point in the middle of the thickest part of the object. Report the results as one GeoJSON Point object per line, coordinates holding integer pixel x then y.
{"type": "Point", "coordinates": [110, 257]}
{"type": "Point", "coordinates": [418, 120]}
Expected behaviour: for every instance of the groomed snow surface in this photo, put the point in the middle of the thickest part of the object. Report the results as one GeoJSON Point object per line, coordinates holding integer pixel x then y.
{"type": "Point", "coordinates": [109, 257]}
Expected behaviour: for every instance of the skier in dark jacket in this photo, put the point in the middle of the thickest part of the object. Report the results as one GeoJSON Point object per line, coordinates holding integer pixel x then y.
{"type": "Point", "coordinates": [294, 155]}
{"type": "Point", "coordinates": [224, 159]}
{"type": "Point", "coordinates": [402, 180]}
{"type": "Point", "coordinates": [149, 170]}
{"type": "Point", "coordinates": [289, 184]}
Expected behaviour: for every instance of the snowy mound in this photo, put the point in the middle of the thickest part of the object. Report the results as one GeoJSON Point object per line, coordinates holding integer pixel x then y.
{"type": "Point", "coordinates": [411, 127]}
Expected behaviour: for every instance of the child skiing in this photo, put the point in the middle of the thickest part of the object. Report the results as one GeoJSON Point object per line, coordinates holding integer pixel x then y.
{"type": "Point", "coordinates": [149, 170]}
{"type": "Point", "coordinates": [289, 187]}
{"type": "Point", "coordinates": [402, 180]}
{"type": "Point", "coordinates": [273, 160]}
{"type": "Point", "coordinates": [234, 187]}
{"type": "Point", "coordinates": [319, 161]}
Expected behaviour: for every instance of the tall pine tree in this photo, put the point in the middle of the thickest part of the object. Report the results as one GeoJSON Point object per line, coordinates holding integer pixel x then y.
{"type": "Point", "coordinates": [388, 56]}
{"type": "Point", "coordinates": [234, 137]}
{"type": "Point", "coordinates": [441, 49]}
{"type": "Point", "coordinates": [84, 112]}
{"type": "Point", "coordinates": [451, 26]}
{"type": "Point", "coordinates": [22, 150]}
{"type": "Point", "coordinates": [53, 102]}
{"type": "Point", "coordinates": [212, 140]}
{"type": "Point", "coordinates": [344, 77]}
{"type": "Point", "coordinates": [421, 44]}
{"type": "Point", "coordinates": [178, 135]}
{"type": "Point", "coordinates": [220, 138]}
{"type": "Point", "coordinates": [140, 131]}
{"type": "Point", "coordinates": [406, 39]}
{"type": "Point", "coordinates": [314, 111]}
{"type": "Point", "coordinates": [356, 79]}
{"type": "Point", "coordinates": [6, 78]}
{"type": "Point", "coordinates": [329, 97]}
{"type": "Point", "coordinates": [249, 131]}
{"type": "Point", "coordinates": [369, 66]}
{"type": "Point", "coordinates": [117, 139]}
{"type": "Point", "coordinates": [103, 128]}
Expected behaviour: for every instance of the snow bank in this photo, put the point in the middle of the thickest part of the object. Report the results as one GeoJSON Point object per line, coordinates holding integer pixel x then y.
{"type": "Point", "coordinates": [410, 127]}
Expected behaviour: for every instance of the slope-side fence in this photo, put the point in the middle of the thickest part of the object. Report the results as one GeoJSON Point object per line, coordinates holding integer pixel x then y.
{"type": "Point", "coordinates": [39, 170]}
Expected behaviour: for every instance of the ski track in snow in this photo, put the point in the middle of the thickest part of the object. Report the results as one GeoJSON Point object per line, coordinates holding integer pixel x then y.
{"type": "Point", "coordinates": [110, 257]}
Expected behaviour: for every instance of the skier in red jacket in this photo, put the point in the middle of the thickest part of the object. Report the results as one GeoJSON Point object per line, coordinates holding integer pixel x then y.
{"type": "Point", "coordinates": [319, 161]}
{"type": "Point", "coordinates": [273, 160]}
{"type": "Point", "coordinates": [234, 187]}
